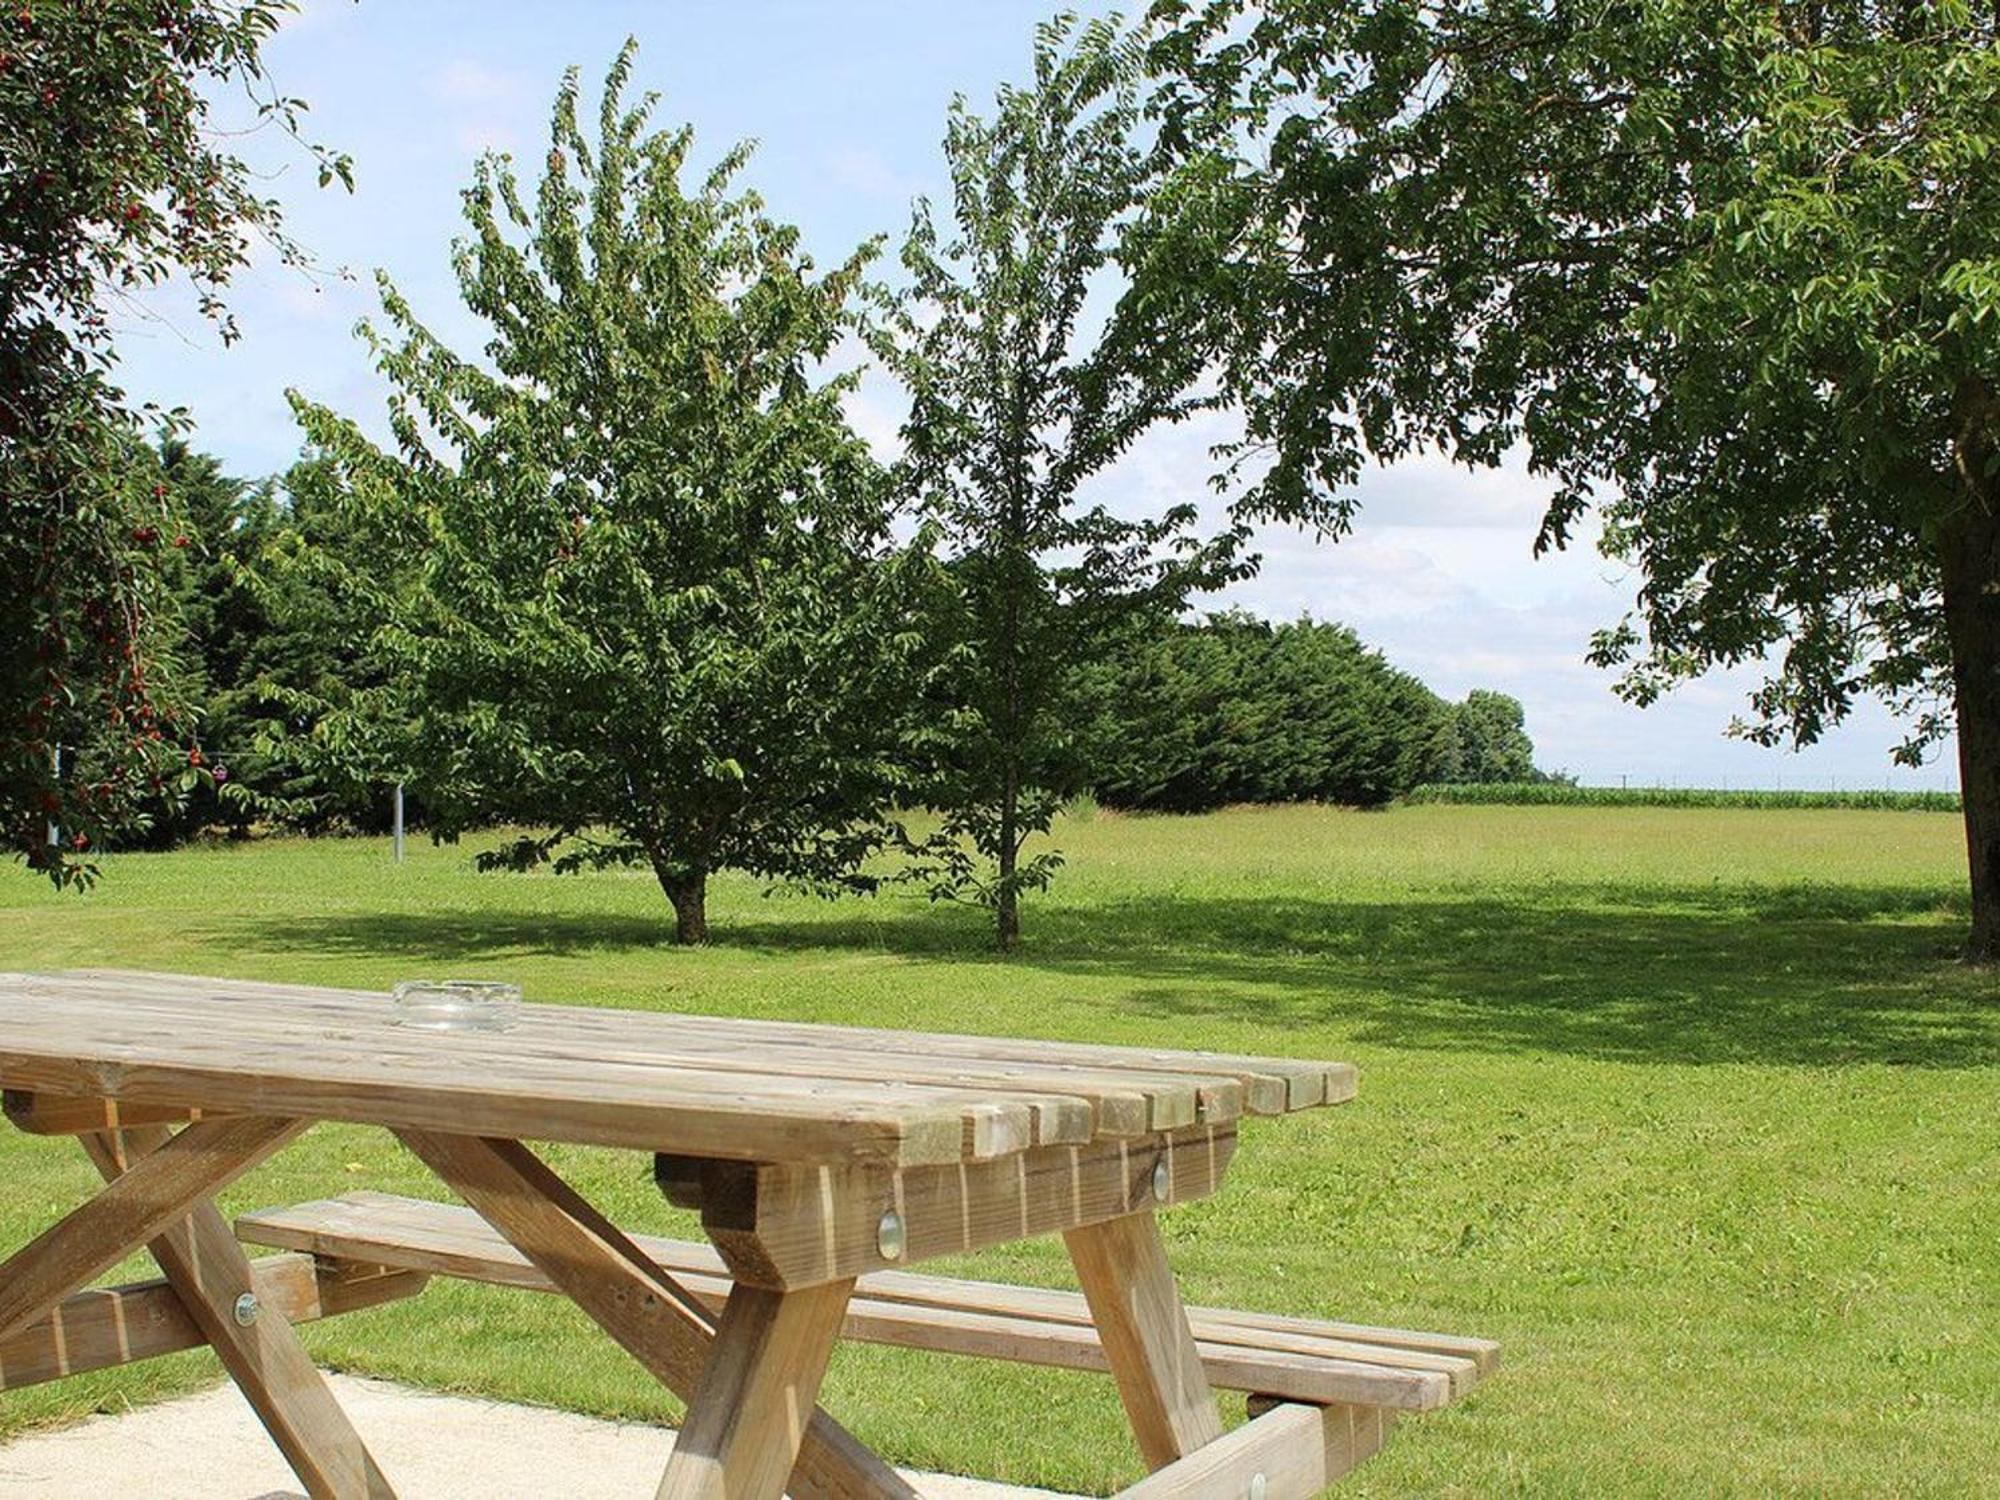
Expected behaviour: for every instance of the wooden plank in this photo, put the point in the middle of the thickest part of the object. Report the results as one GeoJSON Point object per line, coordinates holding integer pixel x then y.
{"type": "Point", "coordinates": [1063, 1100]}
{"type": "Point", "coordinates": [210, 1273]}
{"type": "Point", "coordinates": [1297, 1451]}
{"type": "Point", "coordinates": [1123, 1269]}
{"type": "Point", "coordinates": [1482, 1354]}
{"type": "Point", "coordinates": [56, 1114]}
{"type": "Point", "coordinates": [117, 1325]}
{"type": "Point", "coordinates": [1272, 1085]}
{"type": "Point", "coordinates": [1301, 1360]}
{"type": "Point", "coordinates": [625, 1293]}
{"type": "Point", "coordinates": [749, 1414]}
{"type": "Point", "coordinates": [153, 1049]}
{"type": "Point", "coordinates": [94, 1237]}
{"type": "Point", "coordinates": [781, 1225]}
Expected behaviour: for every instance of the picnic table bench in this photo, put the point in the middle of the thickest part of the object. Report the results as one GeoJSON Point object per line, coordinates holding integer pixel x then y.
{"type": "Point", "coordinates": [822, 1159]}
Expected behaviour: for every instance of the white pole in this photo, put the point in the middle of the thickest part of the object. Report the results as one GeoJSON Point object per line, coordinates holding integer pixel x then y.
{"type": "Point", "coordinates": [399, 822]}
{"type": "Point", "coordinates": [55, 760]}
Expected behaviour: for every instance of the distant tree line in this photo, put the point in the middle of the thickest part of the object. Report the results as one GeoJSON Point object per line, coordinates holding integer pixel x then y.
{"type": "Point", "coordinates": [1191, 716]}
{"type": "Point", "coordinates": [1177, 716]}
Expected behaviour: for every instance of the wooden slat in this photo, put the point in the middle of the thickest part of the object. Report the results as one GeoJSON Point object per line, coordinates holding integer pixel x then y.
{"type": "Point", "coordinates": [551, 1078]}
{"type": "Point", "coordinates": [1297, 1451]}
{"type": "Point", "coordinates": [782, 1225]}
{"type": "Point", "coordinates": [555, 1048]}
{"type": "Point", "coordinates": [1123, 1269]}
{"type": "Point", "coordinates": [749, 1415]}
{"type": "Point", "coordinates": [209, 1272]}
{"type": "Point", "coordinates": [1269, 1085]}
{"type": "Point", "coordinates": [56, 1114]}
{"type": "Point", "coordinates": [625, 1293]}
{"type": "Point", "coordinates": [1121, 1101]}
{"type": "Point", "coordinates": [1302, 1360]}
{"type": "Point", "coordinates": [94, 1237]}
{"type": "Point", "coordinates": [117, 1325]}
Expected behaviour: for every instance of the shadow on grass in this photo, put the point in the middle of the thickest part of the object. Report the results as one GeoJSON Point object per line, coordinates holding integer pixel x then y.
{"type": "Point", "coordinates": [1708, 974]}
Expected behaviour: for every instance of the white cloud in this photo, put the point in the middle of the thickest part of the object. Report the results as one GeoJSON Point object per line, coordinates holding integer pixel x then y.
{"type": "Point", "coordinates": [867, 172]}
{"type": "Point", "coordinates": [485, 108]}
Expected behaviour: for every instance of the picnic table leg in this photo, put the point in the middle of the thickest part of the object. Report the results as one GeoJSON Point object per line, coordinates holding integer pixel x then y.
{"type": "Point", "coordinates": [208, 1270]}
{"type": "Point", "coordinates": [1147, 1342]}
{"type": "Point", "coordinates": [656, 1320]}
{"type": "Point", "coordinates": [749, 1413]}
{"type": "Point", "coordinates": [95, 1236]}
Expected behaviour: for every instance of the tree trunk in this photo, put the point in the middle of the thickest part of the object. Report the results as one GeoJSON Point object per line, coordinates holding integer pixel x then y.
{"type": "Point", "coordinates": [1007, 906]}
{"type": "Point", "coordinates": [688, 890]}
{"type": "Point", "coordinates": [1969, 554]}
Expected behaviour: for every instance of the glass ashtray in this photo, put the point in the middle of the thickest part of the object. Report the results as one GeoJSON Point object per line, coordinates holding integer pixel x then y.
{"type": "Point", "coordinates": [455, 1005]}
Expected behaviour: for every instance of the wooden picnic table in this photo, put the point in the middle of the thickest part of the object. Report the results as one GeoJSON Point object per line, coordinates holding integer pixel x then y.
{"type": "Point", "coordinates": [818, 1156]}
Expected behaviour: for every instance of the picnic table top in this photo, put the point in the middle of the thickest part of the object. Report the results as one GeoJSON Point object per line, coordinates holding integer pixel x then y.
{"type": "Point", "coordinates": [695, 1085]}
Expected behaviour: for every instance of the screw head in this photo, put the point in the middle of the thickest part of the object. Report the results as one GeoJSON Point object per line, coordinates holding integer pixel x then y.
{"type": "Point", "coordinates": [1163, 1180]}
{"type": "Point", "coordinates": [246, 1309]}
{"type": "Point", "coordinates": [890, 1236]}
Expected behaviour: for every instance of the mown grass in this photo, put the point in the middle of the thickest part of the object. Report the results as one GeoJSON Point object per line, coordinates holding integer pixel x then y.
{"type": "Point", "coordinates": [1694, 1110]}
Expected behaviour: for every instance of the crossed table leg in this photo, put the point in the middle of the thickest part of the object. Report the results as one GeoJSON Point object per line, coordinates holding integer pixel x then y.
{"type": "Point", "coordinates": [158, 1194]}
{"type": "Point", "coordinates": [751, 1379]}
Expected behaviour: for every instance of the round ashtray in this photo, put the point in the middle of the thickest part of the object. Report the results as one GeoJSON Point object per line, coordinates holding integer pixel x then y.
{"type": "Point", "coordinates": [455, 1005]}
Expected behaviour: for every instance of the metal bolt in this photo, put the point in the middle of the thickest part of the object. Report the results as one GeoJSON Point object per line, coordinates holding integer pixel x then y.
{"type": "Point", "coordinates": [1163, 1180]}
{"type": "Point", "coordinates": [246, 1309]}
{"type": "Point", "coordinates": [1257, 1485]}
{"type": "Point", "coordinates": [889, 1237]}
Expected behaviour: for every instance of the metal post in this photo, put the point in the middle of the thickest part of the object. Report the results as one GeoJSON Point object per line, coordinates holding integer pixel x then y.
{"type": "Point", "coordinates": [399, 822]}
{"type": "Point", "coordinates": [55, 761]}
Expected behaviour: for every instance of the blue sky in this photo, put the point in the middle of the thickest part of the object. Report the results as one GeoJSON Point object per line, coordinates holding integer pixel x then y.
{"type": "Point", "coordinates": [846, 99]}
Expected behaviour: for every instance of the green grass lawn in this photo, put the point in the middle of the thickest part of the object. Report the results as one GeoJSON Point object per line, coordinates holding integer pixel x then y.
{"type": "Point", "coordinates": [1693, 1110]}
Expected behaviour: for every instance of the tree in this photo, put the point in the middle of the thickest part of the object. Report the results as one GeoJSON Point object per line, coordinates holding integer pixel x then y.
{"type": "Point", "coordinates": [110, 181]}
{"type": "Point", "coordinates": [655, 606]}
{"type": "Point", "coordinates": [1193, 716]}
{"type": "Point", "coordinates": [1729, 272]}
{"type": "Point", "coordinates": [1033, 360]}
{"type": "Point", "coordinates": [222, 525]}
{"type": "Point", "coordinates": [330, 720]}
{"type": "Point", "coordinates": [1490, 739]}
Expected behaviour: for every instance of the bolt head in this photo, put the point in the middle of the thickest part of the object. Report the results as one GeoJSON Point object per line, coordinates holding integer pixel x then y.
{"type": "Point", "coordinates": [1163, 1180]}
{"type": "Point", "coordinates": [890, 1236]}
{"type": "Point", "coordinates": [246, 1309]}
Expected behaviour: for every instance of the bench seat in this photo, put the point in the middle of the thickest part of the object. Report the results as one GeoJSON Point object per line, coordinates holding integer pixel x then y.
{"type": "Point", "coordinates": [1270, 1357]}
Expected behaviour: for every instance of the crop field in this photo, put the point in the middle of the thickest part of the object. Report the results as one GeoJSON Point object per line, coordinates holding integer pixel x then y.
{"type": "Point", "coordinates": [1693, 1109]}
{"type": "Point", "coordinates": [1559, 794]}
